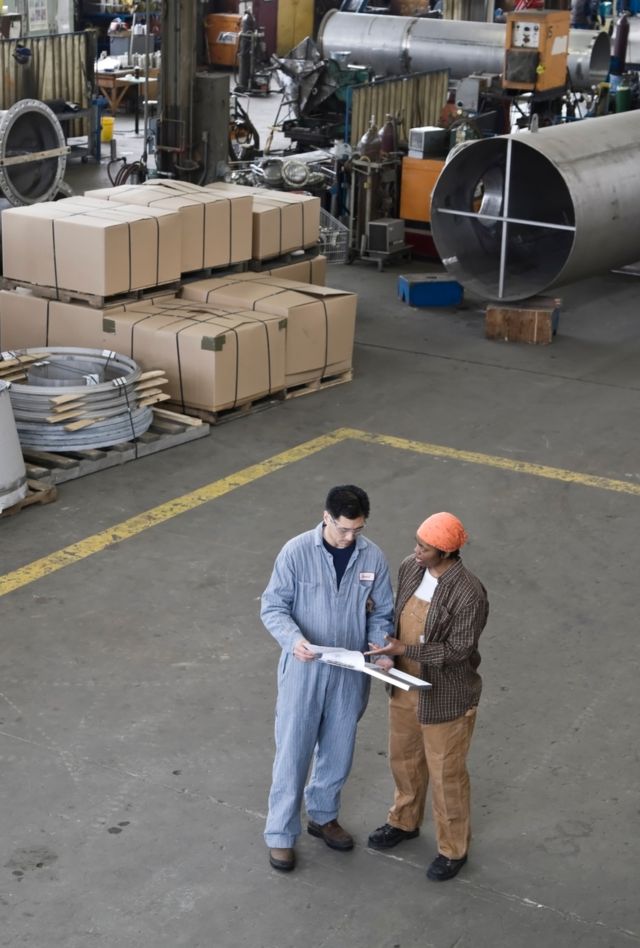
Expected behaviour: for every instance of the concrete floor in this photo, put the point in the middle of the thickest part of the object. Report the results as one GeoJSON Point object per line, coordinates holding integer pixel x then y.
{"type": "Point", "coordinates": [137, 689]}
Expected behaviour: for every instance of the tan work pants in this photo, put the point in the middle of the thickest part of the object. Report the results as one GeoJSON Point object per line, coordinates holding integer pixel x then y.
{"type": "Point", "coordinates": [420, 754]}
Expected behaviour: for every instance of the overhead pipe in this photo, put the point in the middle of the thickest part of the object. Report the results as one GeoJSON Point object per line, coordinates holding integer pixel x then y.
{"type": "Point", "coordinates": [393, 45]}
{"type": "Point", "coordinates": [515, 215]}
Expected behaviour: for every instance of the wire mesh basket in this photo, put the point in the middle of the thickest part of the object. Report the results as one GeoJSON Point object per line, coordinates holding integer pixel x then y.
{"type": "Point", "coordinates": [334, 238]}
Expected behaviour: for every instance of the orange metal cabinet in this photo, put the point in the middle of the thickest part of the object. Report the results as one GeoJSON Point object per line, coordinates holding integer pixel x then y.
{"type": "Point", "coordinates": [418, 179]}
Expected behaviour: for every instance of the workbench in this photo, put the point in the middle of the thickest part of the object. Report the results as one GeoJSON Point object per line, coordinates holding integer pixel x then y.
{"type": "Point", "coordinates": [115, 85]}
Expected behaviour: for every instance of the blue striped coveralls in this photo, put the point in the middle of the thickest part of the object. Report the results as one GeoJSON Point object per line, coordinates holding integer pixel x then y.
{"type": "Point", "coordinates": [318, 705]}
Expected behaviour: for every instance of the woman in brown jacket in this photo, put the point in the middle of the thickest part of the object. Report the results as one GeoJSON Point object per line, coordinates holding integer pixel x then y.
{"type": "Point", "coordinates": [441, 609]}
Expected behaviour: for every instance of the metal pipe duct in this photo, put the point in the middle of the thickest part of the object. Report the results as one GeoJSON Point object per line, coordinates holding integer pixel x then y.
{"type": "Point", "coordinates": [393, 45]}
{"type": "Point", "coordinates": [33, 153]}
{"type": "Point", "coordinates": [515, 215]}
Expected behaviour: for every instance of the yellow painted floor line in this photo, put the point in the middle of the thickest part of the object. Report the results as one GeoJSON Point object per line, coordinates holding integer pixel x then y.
{"type": "Point", "coordinates": [172, 508]}
{"type": "Point", "coordinates": [151, 518]}
{"type": "Point", "coordinates": [490, 460]}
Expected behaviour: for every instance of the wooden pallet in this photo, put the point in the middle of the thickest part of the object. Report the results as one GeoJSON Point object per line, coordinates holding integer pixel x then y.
{"type": "Point", "coordinates": [250, 407]}
{"type": "Point", "coordinates": [284, 259]}
{"type": "Point", "coordinates": [253, 406]}
{"type": "Point", "coordinates": [91, 299]}
{"type": "Point", "coordinates": [210, 273]}
{"type": "Point", "coordinates": [39, 493]}
{"type": "Point", "coordinates": [168, 430]}
{"type": "Point", "coordinates": [319, 385]}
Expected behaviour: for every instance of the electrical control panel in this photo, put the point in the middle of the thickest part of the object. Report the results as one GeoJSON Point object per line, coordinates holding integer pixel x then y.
{"type": "Point", "coordinates": [525, 35]}
{"type": "Point", "coordinates": [536, 49]}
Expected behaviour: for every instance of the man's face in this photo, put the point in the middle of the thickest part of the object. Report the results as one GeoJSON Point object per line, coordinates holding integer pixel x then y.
{"type": "Point", "coordinates": [341, 532]}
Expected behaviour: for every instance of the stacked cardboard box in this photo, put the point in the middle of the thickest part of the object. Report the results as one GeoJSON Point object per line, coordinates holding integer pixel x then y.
{"type": "Point", "coordinates": [214, 360]}
{"type": "Point", "coordinates": [320, 320]}
{"type": "Point", "coordinates": [216, 228]}
{"type": "Point", "coordinates": [227, 341]}
{"type": "Point", "coordinates": [89, 247]}
{"type": "Point", "coordinates": [282, 221]}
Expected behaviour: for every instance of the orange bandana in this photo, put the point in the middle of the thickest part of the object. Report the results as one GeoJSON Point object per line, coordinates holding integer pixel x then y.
{"type": "Point", "coordinates": [444, 531]}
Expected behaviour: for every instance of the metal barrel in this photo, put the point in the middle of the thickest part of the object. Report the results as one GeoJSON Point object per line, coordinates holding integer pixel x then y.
{"type": "Point", "coordinates": [393, 45]}
{"type": "Point", "coordinates": [13, 477]}
{"type": "Point", "coordinates": [515, 215]}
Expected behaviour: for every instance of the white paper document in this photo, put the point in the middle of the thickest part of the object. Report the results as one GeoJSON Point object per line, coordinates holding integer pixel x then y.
{"type": "Point", "coordinates": [346, 658]}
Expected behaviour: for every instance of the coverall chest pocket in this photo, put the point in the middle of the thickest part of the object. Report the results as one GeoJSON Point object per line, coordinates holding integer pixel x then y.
{"type": "Point", "coordinates": [308, 595]}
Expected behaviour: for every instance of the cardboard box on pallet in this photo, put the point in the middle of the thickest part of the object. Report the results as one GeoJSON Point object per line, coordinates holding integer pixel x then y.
{"type": "Point", "coordinates": [313, 271]}
{"type": "Point", "coordinates": [90, 249]}
{"type": "Point", "coordinates": [216, 228]}
{"type": "Point", "coordinates": [24, 320]}
{"type": "Point", "coordinates": [320, 320]}
{"type": "Point", "coordinates": [282, 222]}
{"type": "Point", "coordinates": [214, 360]}
{"type": "Point", "coordinates": [240, 211]}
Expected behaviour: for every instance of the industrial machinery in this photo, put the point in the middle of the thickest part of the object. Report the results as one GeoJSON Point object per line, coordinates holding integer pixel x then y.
{"type": "Point", "coordinates": [33, 153]}
{"type": "Point", "coordinates": [394, 45]}
{"type": "Point", "coordinates": [514, 216]}
{"type": "Point", "coordinates": [536, 46]}
{"type": "Point", "coordinates": [315, 93]}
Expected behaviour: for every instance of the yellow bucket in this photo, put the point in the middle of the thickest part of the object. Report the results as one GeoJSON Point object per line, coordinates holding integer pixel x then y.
{"type": "Point", "coordinates": [106, 130]}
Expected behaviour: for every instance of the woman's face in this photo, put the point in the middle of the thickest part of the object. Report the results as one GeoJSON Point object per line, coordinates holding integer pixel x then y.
{"type": "Point", "coordinates": [427, 556]}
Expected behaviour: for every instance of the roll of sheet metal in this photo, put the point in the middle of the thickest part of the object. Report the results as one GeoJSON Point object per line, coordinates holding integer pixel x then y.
{"type": "Point", "coordinates": [393, 45]}
{"type": "Point", "coordinates": [515, 215]}
{"type": "Point", "coordinates": [75, 399]}
{"type": "Point", "coordinates": [13, 477]}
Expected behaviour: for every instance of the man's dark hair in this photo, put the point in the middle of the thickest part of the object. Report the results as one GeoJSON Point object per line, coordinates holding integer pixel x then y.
{"type": "Point", "coordinates": [348, 501]}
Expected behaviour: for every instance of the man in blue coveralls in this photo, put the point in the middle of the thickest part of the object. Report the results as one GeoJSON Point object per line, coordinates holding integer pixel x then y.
{"type": "Point", "coordinates": [330, 586]}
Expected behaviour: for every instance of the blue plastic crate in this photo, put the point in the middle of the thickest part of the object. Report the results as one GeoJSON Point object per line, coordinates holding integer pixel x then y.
{"type": "Point", "coordinates": [429, 289]}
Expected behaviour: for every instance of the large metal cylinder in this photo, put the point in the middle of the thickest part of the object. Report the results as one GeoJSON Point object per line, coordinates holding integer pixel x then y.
{"type": "Point", "coordinates": [13, 477]}
{"type": "Point", "coordinates": [515, 215]}
{"type": "Point", "coordinates": [393, 45]}
{"type": "Point", "coordinates": [33, 153]}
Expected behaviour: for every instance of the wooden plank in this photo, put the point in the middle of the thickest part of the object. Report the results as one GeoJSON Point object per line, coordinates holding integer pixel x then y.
{"type": "Point", "coordinates": [177, 416]}
{"type": "Point", "coordinates": [153, 400]}
{"type": "Point", "coordinates": [48, 459]}
{"type": "Point", "coordinates": [151, 374]}
{"type": "Point", "coordinates": [81, 423]}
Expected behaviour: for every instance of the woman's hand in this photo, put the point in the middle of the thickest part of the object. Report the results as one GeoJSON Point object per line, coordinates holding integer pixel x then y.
{"type": "Point", "coordinates": [395, 647]}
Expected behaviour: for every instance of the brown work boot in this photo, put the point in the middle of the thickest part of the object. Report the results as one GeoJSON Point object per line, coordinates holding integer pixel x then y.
{"type": "Point", "coordinates": [283, 859]}
{"type": "Point", "coordinates": [332, 833]}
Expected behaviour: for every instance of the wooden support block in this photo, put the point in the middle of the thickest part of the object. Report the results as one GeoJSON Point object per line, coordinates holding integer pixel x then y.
{"type": "Point", "coordinates": [534, 321]}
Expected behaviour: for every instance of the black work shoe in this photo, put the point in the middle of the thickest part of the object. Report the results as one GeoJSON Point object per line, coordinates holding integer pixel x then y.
{"type": "Point", "coordinates": [387, 836]}
{"type": "Point", "coordinates": [283, 859]}
{"type": "Point", "coordinates": [443, 868]}
{"type": "Point", "coordinates": [332, 833]}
